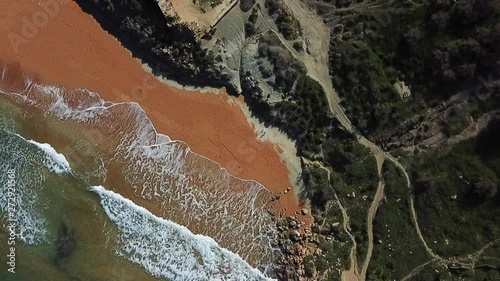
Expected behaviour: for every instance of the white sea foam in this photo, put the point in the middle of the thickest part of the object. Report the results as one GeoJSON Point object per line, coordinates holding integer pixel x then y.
{"type": "Point", "coordinates": [166, 249]}
{"type": "Point", "coordinates": [28, 158]}
{"type": "Point", "coordinates": [55, 161]}
{"type": "Point", "coordinates": [195, 191]}
{"type": "Point", "coordinates": [29, 178]}
{"type": "Point", "coordinates": [88, 104]}
{"type": "Point", "coordinates": [189, 189]}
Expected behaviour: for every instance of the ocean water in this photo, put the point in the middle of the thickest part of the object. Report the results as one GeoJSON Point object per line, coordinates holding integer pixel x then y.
{"type": "Point", "coordinates": [98, 194]}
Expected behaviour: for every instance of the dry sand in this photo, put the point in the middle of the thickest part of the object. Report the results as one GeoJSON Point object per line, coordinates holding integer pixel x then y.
{"type": "Point", "coordinates": [195, 14]}
{"type": "Point", "coordinates": [69, 48]}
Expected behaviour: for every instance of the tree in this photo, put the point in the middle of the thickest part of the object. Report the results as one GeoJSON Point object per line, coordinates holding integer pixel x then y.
{"type": "Point", "coordinates": [484, 189]}
{"type": "Point", "coordinates": [422, 184]}
{"type": "Point", "coordinates": [246, 5]}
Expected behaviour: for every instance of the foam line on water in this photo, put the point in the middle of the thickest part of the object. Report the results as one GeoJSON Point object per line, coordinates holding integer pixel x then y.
{"type": "Point", "coordinates": [57, 161]}
{"type": "Point", "coordinates": [30, 175]}
{"type": "Point", "coordinates": [155, 168]}
{"type": "Point", "coordinates": [54, 161]}
{"type": "Point", "coordinates": [166, 249]}
{"type": "Point", "coordinates": [85, 112]}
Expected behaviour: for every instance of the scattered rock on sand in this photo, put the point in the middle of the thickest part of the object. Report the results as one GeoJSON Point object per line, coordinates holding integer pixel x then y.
{"type": "Point", "coordinates": [295, 235]}
{"type": "Point", "coordinates": [272, 212]}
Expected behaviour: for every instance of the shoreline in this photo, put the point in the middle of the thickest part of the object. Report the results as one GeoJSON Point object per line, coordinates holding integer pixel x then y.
{"type": "Point", "coordinates": [217, 130]}
{"type": "Point", "coordinates": [248, 193]}
{"type": "Point", "coordinates": [263, 133]}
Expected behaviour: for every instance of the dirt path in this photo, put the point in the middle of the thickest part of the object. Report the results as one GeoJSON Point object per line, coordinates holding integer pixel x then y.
{"type": "Point", "coordinates": [467, 262]}
{"type": "Point", "coordinates": [316, 60]}
{"type": "Point", "coordinates": [353, 269]}
{"type": "Point", "coordinates": [416, 270]}
{"type": "Point", "coordinates": [317, 65]}
{"type": "Point", "coordinates": [352, 273]}
{"type": "Point", "coordinates": [379, 195]}
{"type": "Point", "coordinates": [412, 207]}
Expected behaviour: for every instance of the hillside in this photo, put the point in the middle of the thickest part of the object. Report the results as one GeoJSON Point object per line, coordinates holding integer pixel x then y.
{"type": "Point", "coordinates": [393, 107]}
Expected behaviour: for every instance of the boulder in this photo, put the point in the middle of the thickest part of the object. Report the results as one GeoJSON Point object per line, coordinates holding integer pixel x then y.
{"type": "Point", "coordinates": [295, 235]}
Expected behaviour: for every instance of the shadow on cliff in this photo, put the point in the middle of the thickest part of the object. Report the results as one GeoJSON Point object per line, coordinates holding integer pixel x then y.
{"type": "Point", "coordinates": [170, 49]}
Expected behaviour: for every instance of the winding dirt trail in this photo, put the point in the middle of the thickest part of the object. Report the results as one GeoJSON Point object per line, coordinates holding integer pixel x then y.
{"type": "Point", "coordinates": [317, 65]}
{"type": "Point", "coordinates": [379, 195]}
{"type": "Point", "coordinates": [416, 270]}
{"type": "Point", "coordinates": [465, 262]}
{"type": "Point", "coordinates": [352, 273]}
{"type": "Point", "coordinates": [316, 61]}
{"type": "Point", "coordinates": [412, 207]}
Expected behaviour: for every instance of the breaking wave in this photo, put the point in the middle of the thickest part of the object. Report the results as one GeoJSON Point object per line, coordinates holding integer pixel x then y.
{"type": "Point", "coordinates": [166, 249]}
{"type": "Point", "coordinates": [176, 187]}
{"type": "Point", "coordinates": [32, 163]}
{"type": "Point", "coordinates": [56, 162]}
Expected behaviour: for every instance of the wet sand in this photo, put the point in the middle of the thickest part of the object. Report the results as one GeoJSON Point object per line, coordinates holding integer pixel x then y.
{"type": "Point", "coordinates": [69, 48]}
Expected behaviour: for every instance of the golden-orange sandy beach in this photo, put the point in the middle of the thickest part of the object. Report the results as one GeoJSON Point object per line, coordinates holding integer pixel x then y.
{"type": "Point", "coordinates": [69, 48]}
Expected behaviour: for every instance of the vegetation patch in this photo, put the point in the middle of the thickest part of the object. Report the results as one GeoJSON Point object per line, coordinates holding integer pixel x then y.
{"type": "Point", "coordinates": [285, 67]}
{"type": "Point", "coordinates": [397, 248]}
{"type": "Point", "coordinates": [287, 24]}
{"type": "Point", "coordinates": [208, 3]}
{"type": "Point", "coordinates": [354, 178]}
{"type": "Point", "coordinates": [456, 194]}
{"type": "Point", "coordinates": [246, 5]}
{"type": "Point", "coordinates": [365, 84]}
{"type": "Point", "coordinates": [438, 48]}
{"type": "Point", "coordinates": [334, 244]}
{"type": "Point", "coordinates": [457, 119]}
{"type": "Point", "coordinates": [305, 114]}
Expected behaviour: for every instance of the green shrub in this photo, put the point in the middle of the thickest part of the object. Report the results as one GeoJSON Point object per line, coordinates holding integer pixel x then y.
{"type": "Point", "coordinates": [287, 24]}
